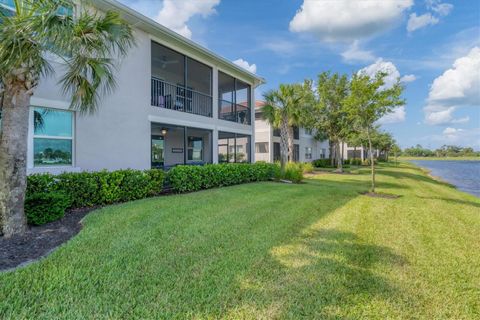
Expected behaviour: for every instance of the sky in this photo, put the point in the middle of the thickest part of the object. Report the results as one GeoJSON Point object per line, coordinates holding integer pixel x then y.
{"type": "Point", "coordinates": [432, 46]}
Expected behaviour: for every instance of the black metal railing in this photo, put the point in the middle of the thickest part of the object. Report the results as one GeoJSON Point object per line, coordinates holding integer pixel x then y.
{"type": "Point", "coordinates": [177, 97]}
{"type": "Point", "coordinates": [234, 112]}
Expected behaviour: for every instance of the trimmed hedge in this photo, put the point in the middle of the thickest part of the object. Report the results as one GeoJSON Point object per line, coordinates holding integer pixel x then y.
{"type": "Point", "coordinates": [187, 178]}
{"type": "Point", "coordinates": [86, 189]}
{"type": "Point", "coordinates": [322, 163]}
{"type": "Point", "coordinates": [41, 208]}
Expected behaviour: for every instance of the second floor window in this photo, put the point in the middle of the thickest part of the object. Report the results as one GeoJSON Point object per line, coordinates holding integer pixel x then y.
{"type": "Point", "coordinates": [179, 82]}
{"type": "Point", "coordinates": [234, 99]}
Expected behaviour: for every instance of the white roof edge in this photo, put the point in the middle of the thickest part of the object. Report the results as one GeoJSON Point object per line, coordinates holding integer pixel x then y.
{"type": "Point", "coordinates": [166, 31]}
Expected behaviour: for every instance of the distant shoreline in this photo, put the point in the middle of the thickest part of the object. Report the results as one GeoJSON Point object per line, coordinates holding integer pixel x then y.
{"type": "Point", "coordinates": [441, 158]}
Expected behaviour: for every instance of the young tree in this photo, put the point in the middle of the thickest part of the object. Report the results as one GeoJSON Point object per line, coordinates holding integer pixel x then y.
{"type": "Point", "coordinates": [40, 32]}
{"type": "Point", "coordinates": [367, 102]}
{"type": "Point", "coordinates": [328, 113]}
{"type": "Point", "coordinates": [283, 109]}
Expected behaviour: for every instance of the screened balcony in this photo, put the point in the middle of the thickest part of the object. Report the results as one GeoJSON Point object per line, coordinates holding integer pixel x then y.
{"type": "Point", "coordinates": [234, 99]}
{"type": "Point", "coordinates": [180, 83]}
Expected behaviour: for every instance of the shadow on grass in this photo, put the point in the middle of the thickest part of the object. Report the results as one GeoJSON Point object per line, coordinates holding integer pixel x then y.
{"type": "Point", "coordinates": [326, 273]}
{"type": "Point", "coordinates": [454, 201]}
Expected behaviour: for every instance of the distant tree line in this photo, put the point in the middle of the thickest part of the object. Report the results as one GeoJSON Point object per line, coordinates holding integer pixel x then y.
{"type": "Point", "coordinates": [443, 151]}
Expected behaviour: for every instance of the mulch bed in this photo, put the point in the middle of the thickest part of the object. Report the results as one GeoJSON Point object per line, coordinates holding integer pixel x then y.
{"type": "Point", "coordinates": [39, 241]}
{"type": "Point", "coordinates": [379, 195]}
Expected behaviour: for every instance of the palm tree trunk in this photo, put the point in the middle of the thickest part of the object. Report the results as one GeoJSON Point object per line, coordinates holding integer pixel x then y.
{"type": "Point", "coordinates": [13, 160]}
{"type": "Point", "coordinates": [290, 143]}
{"type": "Point", "coordinates": [283, 144]}
{"type": "Point", "coordinates": [372, 163]}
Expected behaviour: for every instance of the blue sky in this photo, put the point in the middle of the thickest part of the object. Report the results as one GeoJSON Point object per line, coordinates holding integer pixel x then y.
{"type": "Point", "coordinates": [432, 45]}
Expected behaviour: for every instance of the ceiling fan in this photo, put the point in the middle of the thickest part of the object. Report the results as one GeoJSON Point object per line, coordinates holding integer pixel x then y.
{"type": "Point", "coordinates": [163, 61]}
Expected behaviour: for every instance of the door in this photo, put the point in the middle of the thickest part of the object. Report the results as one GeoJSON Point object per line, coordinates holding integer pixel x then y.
{"type": "Point", "coordinates": [158, 151]}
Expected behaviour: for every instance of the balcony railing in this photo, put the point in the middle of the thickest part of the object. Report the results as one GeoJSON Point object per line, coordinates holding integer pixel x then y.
{"type": "Point", "coordinates": [234, 112]}
{"type": "Point", "coordinates": [177, 97]}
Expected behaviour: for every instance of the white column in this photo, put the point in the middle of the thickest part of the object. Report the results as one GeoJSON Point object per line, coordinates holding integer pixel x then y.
{"type": "Point", "coordinates": [252, 121]}
{"type": "Point", "coordinates": [215, 114]}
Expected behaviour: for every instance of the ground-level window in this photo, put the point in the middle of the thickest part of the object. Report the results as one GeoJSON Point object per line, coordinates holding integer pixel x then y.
{"type": "Point", "coordinates": [52, 137]}
{"type": "Point", "coordinates": [308, 153]}
{"type": "Point", "coordinates": [296, 152]}
{"type": "Point", "coordinates": [195, 149]}
{"type": "Point", "coordinates": [323, 153]}
{"type": "Point", "coordinates": [261, 147]}
{"type": "Point", "coordinates": [233, 147]}
{"type": "Point", "coordinates": [276, 151]}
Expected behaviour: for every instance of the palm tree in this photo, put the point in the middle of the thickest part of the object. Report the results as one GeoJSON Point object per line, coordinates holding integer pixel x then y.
{"type": "Point", "coordinates": [284, 109]}
{"type": "Point", "coordinates": [41, 31]}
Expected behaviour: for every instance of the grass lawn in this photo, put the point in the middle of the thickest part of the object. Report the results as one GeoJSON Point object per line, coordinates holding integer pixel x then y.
{"type": "Point", "coordinates": [267, 250]}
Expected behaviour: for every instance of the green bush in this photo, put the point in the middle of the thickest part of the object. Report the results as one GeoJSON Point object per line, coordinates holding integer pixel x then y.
{"type": "Point", "coordinates": [293, 172]}
{"type": "Point", "coordinates": [86, 189]}
{"type": "Point", "coordinates": [41, 208]}
{"type": "Point", "coordinates": [187, 178]}
{"type": "Point", "coordinates": [367, 162]}
{"type": "Point", "coordinates": [355, 162]}
{"type": "Point", "coordinates": [322, 163]}
{"type": "Point", "coordinates": [307, 167]}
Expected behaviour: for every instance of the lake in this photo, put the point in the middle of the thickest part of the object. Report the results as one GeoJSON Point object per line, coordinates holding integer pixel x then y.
{"type": "Point", "coordinates": [465, 175]}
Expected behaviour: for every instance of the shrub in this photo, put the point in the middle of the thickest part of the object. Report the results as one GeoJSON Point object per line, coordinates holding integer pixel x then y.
{"type": "Point", "coordinates": [355, 162]}
{"type": "Point", "coordinates": [187, 178]}
{"type": "Point", "coordinates": [366, 162]}
{"type": "Point", "coordinates": [87, 189]}
{"type": "Point", "coordinates": [293, 172]}
{"type": "Point", "coordinates": [321, 163]}
{"type": "Point", "coordinates": [307, 167]}
{"type": "Point", "coordinates": [41, 208]}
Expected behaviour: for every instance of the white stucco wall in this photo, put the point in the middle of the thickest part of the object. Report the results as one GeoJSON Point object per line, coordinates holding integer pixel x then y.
{"type": "Point", "coordinates": [118, 135]}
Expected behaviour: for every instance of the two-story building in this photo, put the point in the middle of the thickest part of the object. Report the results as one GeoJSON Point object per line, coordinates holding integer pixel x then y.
{"type": "Point", "coordinates": [267, 142]}
{"type": "Point", "coordinates": [175, 102]}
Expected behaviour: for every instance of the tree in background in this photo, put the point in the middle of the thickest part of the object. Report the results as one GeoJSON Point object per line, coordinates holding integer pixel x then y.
{"type": "Point", "coordinates": [283, 110]}
{"type": "Point", "coordinates": [367, 102]}
{"type": "Point", "coordinates": [85, 46]}
{"type": "Point", "coordinates": [327, 113]}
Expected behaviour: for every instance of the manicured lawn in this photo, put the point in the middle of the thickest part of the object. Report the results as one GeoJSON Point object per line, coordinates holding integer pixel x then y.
{"type": "Point", "coordinates": [267, 250]}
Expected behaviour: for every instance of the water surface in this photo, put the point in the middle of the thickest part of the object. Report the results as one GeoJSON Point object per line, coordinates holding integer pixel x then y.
{"type": "Point", "coordinates": [465, 175]}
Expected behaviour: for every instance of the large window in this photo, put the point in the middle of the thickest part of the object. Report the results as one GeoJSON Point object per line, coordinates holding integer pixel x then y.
{"type": "Point", "coordinates": [234, 99]}
{"type": "Point", "coordinates": [179, 82]}
{"type": "Point", "coordinates": [233, 147]}
{"type": "Point", "coordinates": [296, 153]}
{"type": "Point", "coordinates": [52, 137]}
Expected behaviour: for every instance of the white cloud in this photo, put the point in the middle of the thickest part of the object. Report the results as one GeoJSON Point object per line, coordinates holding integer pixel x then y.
{"type": "Point", "coordinates": [384, 66]}
{"type": "Point", "coordinates": [176, 14]}
{"type": "Point", "coordinates": [416, 22]}
{"type": "Point", "coordinates": [457, 86]}
{"type": "Point", "coordinates": [245, 65]}
{"type": "Point", "coordinates": [408, 78]}
{"type": "Point", "coordinates": [345, 20]}
{"type": "Point", "coordinates": [355, 54]}
{"type": "Point", "coordinates": [397, 115]}
{"type": "Point", "coordinates": [442, 9]}
{"type": "Point", "coordinates": [466, 137]}
{"type": "Point", "coordinates": [436, 7]}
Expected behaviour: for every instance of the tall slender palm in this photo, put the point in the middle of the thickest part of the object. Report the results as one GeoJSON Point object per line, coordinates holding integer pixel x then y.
{"type": "Point", "coordinates": [37, 36]}
{"type": "Point", "coordinates": [284, 109]}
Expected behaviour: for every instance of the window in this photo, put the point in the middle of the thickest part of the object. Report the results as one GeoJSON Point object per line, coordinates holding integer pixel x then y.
{"type": "Point", "coordinates": [308, 131]}
{"type": "Point", "coordinates": [296, 153]}
{"type": "Point", "coordinates": [258, 116]}
{"type": "Point", "coordinates": [296, 133]}
{"type": "Point", "coordinates": [233, 147]}
{"type": "Point", "coordinates": [323, 153]}
{"type": "Point", "coordinates": [52, 137]}
{"type": "Point", "coordinates": [276, 132]}
{"type": "Point", "coordinates": [234, 99]}
{"type": "Point", "coordinates": [261, 147]}
{"type": "Point", "coordinates": [308, 153]}
{"type": "Point", "coordinates": [195, 149]}
{"type": "Point", "coordinates": [276, 151]}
